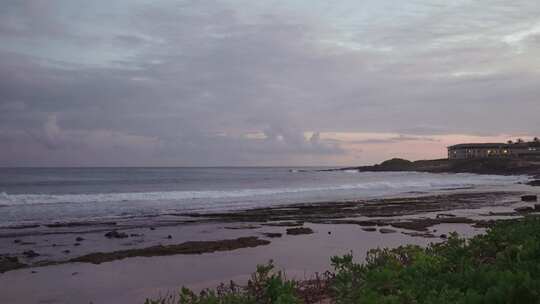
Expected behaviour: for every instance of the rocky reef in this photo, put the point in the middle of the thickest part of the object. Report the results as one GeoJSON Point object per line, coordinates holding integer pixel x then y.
{"type": "Point", "coordinates": [508, 166]}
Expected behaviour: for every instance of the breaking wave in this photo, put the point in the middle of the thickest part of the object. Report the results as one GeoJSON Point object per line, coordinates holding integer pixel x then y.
{"type": "Point", "coordinates": [407, 182]}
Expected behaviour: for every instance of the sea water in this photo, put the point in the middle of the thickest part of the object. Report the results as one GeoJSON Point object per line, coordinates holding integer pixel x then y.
{"type": "Point", "coordinates": [45, 195]}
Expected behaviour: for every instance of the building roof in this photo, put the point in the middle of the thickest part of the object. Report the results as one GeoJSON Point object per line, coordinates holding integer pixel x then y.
{"type": "Point", "coordinates": [495, 145]}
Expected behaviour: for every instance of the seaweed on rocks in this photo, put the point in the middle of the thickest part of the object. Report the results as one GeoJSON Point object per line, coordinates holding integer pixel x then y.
{"type": "Point", "coordinates": [193, 247]}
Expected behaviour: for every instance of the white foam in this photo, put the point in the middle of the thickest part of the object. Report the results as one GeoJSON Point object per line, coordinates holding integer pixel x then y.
{"type": "Point", "coordinates": [399, 182]}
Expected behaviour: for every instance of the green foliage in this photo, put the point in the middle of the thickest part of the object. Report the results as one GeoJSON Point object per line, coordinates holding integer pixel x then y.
{"type": "Point", "coordinates": [265, 287]}
{"type": "Point", "coordinates": [502, 266]}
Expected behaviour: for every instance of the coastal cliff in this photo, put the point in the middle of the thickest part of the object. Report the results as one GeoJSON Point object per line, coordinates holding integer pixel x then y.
{"type": "Point", "coordinates": [478, 166]}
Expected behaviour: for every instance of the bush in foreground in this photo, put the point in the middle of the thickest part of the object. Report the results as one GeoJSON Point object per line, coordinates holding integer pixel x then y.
{"type": "Point", "coordinates": [265, 286]}
{"type": "Point", "coordinates": [502, 266]}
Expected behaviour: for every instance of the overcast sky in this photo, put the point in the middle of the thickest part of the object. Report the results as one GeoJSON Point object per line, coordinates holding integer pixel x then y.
{"type": "Point", "coordinates": [284, 82]}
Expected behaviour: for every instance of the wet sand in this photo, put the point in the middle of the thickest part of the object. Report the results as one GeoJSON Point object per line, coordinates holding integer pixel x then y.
{"type": "Point", "coordinates": [338, 228]}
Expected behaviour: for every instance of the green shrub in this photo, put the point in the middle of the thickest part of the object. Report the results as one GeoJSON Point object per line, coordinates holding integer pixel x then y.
{"type": "Point", "coordinates": [502, 266]}
{"type": "Point", "coordinates": [265, 287]}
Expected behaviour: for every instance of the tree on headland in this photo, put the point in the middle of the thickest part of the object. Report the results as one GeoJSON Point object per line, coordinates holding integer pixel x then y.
{"type": "Point", "coordinates": [520, 141]}
{"type": "Point", "coordinates": [510, 142]}
{"type": "Point", "coordinates": [536, 139]}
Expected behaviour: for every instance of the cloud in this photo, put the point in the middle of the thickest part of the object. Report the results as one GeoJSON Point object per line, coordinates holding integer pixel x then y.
{"type": "Point", "coordinates": [53, 145]}
{"type": "Point", "coordinates": [393, 139]}
{"type": "Point", "coordinates": [180, 83]}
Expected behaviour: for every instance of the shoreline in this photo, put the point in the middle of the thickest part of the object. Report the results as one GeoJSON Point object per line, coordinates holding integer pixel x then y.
{"type": "Point", "coordinates": [415, 215]}
{"type": "Point", "coordinates": [330, 228]}
{"type": "Point", "coordinates": [175, 218]}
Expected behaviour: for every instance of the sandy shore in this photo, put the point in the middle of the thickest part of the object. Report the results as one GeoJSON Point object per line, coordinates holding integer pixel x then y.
{"type": "Point", "coordinates": [78, 263]}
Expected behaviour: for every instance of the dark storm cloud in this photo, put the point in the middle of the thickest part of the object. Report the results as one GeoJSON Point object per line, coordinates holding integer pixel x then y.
{"type": "Point", "coordinates": [188, 83]}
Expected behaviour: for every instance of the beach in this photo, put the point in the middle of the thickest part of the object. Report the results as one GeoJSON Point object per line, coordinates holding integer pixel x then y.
{"type": "Point", "coordinates": [311, 152]}
{"type": "Point", "coordinates": [128, 259]}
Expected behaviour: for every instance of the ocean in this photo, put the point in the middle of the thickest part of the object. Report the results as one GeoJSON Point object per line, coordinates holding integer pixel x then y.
{"type": "Point", "coordinates": [48, 195]}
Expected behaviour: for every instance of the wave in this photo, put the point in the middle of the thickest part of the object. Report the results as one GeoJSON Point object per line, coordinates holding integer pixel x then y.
{"type": "Point", "coordinates": [406, 183]}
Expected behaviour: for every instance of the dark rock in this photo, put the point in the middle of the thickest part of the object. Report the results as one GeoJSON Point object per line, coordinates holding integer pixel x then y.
{"type": "Point", "coordinates": [33, 271]}
{"type": "Point", "coordinates": [502, 213]}
{"type": "Point", "coordinates": [66, 251]}
{"type": "Point", "coordinates": [78, 224]}
{"type": "Point", "coordinates": [535, 183]}
{"type": "Point", "coordinates": [77, 244]}
{"type": "Point", "coordinates": [152, 228]}
{"type": "Point", "coordinates": [443, 236]}
{"type": "Point", "coordinates": [31, 254]}
{"type": "Point", "coordinates": [368, 223]}
{"type": "Point", "coordinates": [54, 245]}
{"type": "Point", "coordinates": [286, 224]}
{"type": "Point", "coordinates": [23, 226]}
{"type": "Point", "coordinates": [382, 212]}
{"type": "Point", "coordinates": [356, 222]}
{"type": "Point", "coordinates": [329, 232]}
{"type": "Point", "coordinates": [169, 236]}
{"type": "Point", "coordinates": [135, 235]}
{"type": "Point", "coordinates": [422, 224]}
{"type": "Point", "coordinates": [299, 230]}
{"type": "Point", "coordinates": [16, 241]}
{"type": "Point", "coordinates": [272, 234]}
{"type": "Point", "coordinates": [79, 239]}
{"type": "Point", "coordinates": [8, 263]}
{"type": "Point", "coordinates": [525, 209]}
{"type": "Point", "coordinates": [386, 230]}
{"type": "Point", "coordinates": [197, 247]}
{"type": "Point", "coordinates": [419, 234]}
{"type": "Point", "coordinates": [116, 235]}
{"type": "Point", "coordinates": [369, 229]}
{"type": "Point", "coordinates": [529, 198]}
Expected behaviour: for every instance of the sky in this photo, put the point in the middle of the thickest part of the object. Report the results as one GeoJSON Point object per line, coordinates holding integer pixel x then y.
{"type": "Point", "coordinates": [262, 83]}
